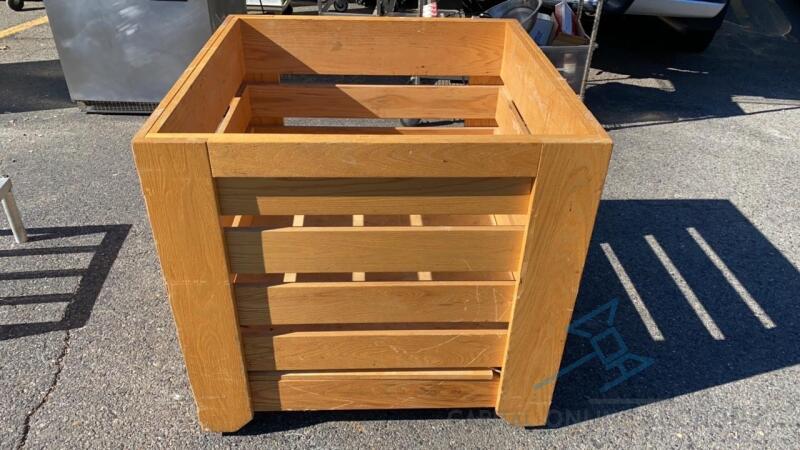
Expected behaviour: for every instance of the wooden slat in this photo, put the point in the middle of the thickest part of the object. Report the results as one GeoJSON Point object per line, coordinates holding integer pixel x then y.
{"type": "Point", "coordinates": [409, 374]}
{"type": "Point", "coordinates": [375, 249]}
{"type": "Point", "coordinates": [297, 221]}
{"type": "Point", "coordinates": [375, 302]}
{"type": "Point", "coordinates": [237, 119]}
{"type": "Point", "coordinates": [382, 349]}
{"type": "Point", "coordinates": [200, 104]}
{"type": "Point", "coordinates": [483, 81]}
{"type": "Point", "coordinates": [179, 194]}
{"type": "Point", "coordinates": [359, 393]}
{"type": "Point", "coordinates": [369, 46]}
{"type": "Point", "coordinates": [266, 78]}
{"type": "Point", "coordinates": [374, 130]}
{"type": "Point", "coordinates": [291, 155]}
{"type": "Point", "coordinates": [275, 196]}
{"type": "Point", "coordinates": [374, 101]}
{"type": "Point", "coordinates": [557, 239]}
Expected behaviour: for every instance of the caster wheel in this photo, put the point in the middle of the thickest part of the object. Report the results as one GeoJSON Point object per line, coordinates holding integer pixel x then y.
{"type": "Point", "coordinates": [16, 5]}
{"type": "Point", "coordinates": [340, 5]}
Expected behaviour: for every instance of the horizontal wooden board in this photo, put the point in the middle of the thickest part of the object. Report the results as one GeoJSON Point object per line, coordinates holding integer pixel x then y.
{"type": "Point", "coordinates": [374, 302]}
{"type": "Point", "coordinates": [281, 196]}
{"type": "Point", "coordinates": [359, 393]}
{"type": "Point", "coordinates": [371, 46]}
{"type": "Point", "coordinates": [375, 349]}
{"type": "Point", "coordinates": [374, 130]}
{"type": "Point", "coordinates": [298, 155]}
{"type": "Point", "coordinates": [408, 374]}
{"type": "Point", "coordinates": [375, 249]}
{"type": "Point", "coordinates": [373, 101]}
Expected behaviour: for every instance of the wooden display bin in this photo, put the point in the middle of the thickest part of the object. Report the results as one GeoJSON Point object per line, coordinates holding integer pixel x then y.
{"type": "Point", "coordinates": [319, 268]}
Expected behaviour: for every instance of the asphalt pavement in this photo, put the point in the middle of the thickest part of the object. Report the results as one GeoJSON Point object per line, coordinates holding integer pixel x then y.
{"type": "Point", "coordinates": [697, 247]}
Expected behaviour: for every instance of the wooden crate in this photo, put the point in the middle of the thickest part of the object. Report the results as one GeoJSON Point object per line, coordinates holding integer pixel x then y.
{"type": "Point", "coordinates": [314, 268]}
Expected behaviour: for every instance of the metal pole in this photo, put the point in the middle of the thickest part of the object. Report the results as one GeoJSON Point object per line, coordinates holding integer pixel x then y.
{"type": "Point", "coordinates": [592, 40]}
{"type": "Point", "coordinates": [12, 213]}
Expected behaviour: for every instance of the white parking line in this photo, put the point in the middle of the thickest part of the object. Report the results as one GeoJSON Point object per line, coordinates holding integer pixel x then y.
{"type": "Point", "coordinates": [685, 289]}
{"type": "Point", "coordinates": [748, 299]}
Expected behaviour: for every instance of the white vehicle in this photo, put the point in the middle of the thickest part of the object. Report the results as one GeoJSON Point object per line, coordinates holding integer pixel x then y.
{"type": "Point", "coordinates": [275, 6]}
{"type": "Point", "coordinates": [696, 21]}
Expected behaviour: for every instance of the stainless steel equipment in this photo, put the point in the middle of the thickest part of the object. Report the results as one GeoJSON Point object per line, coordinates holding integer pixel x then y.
{"type": "Point", "coordinates": [123, 55]}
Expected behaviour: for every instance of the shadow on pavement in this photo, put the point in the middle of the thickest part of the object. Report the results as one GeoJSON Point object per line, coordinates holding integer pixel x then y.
{"type": "Point", "coordinates": [33, 86]}
{"type": "Point", "coordinates": [703, 295]}
{"type": "Point", "coordinates": [81, 302]}
{"type": "Point", "coordinates": [750, 68]}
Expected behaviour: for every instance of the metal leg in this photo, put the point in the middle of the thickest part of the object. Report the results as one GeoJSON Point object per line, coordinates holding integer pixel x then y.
{"type": "Point", "coordinates": [12, 213]}
{"type": "Point", "coordinates": [592, 41]}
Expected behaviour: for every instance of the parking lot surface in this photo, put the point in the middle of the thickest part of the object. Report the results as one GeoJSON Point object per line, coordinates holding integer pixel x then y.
{"type": "Point", "coordinates": [697, 238]}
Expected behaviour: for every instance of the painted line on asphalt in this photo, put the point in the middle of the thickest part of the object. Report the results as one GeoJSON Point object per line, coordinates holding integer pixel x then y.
{"type": "Point", "coordinates": [23, 26]}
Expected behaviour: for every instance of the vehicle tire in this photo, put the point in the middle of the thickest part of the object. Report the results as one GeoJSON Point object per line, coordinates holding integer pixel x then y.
{"type": "Point", "coordinates": [16, 5]}
{"type": "Point", "coordinates": [695, 35]}
{"type": "Point", "coordinates": [341, 5]}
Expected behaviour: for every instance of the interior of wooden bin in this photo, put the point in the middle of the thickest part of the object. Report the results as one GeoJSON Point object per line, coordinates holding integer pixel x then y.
{"type": "Point", "coordinates": [373, 292]}
{"type": "Point", "coordinates": [269, 75]}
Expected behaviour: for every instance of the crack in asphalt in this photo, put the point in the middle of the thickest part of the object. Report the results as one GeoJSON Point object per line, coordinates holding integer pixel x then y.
{"type": "Point", "coordinates": [26, 425]}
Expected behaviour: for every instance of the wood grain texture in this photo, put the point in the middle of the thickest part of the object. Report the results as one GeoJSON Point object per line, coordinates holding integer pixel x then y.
{"type": "Point", "coordinates": [369, 46]}
{"type": "Point", "coordinates": [265, 78]}
{"type": "Point", "coordinates": [281, 196]}
{"type": "Point", "coordinates": [179, 193]}
{"type": "Point", "coordinates": [201, 102]}
{"type": "Point", "coordinates": [483, 81]}
{"type": "Point", "coordinates": [374, 130]}
{"type": "Point", "coordinates": [375, 249]}
{"type": "Point", "coordinates": [359, 393]}
{"type": "Point", "coordinates": [352, 375]}
{"type": "Point", "coordinates": [237, 119]}
{"type": "Point", "coordinates": [374, 101]}
{"type": "Point", "coordinates": [375, 302]}
{"type": "Point", "coordinates": [565, 200]}
{"type": "Point", "coordinates": [255, 155]}
{"type": "Point", "coordinates": [509, 120]}
{"type": "Point", "coordinates": [380, 349]}
{"type": "Point", "coordinates": [183, 83]}
{"type": "Point", "coordinates": [546, 102]}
